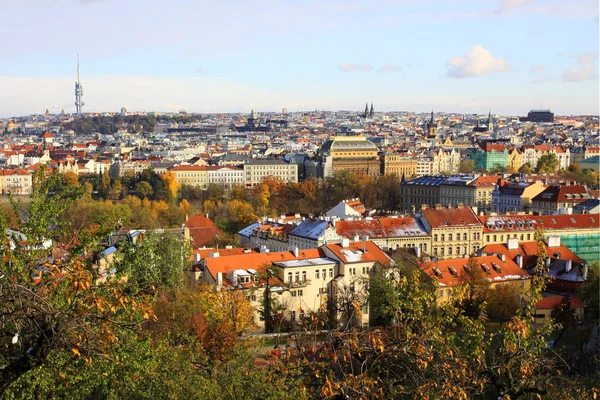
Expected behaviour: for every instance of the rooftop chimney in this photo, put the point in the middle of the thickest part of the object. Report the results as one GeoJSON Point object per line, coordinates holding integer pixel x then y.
{"type": "Point", "coordinates": [512, 244]}
{"type": "Point", "coordinates": [418, 251]}
{"type": "Point", "coordinates": [219, 279]}
{"type": "Point", "coordinates": [213, 254]}
{"type": "Point", "coordinates": [568, 266]}
{"type": "Point", "coordinates": [503, 257]}
{"type": "Point", "coordinates": [345, 242]}
{"type": "Point", "coordinates": [547, 261]}
{"type": "Point", "coordinates": [554, 241]}
{"type": "Point", "coordinates": [295, 251]}
{"type": "Point", "coordinates": [520, 260]}
{"type": "Point", "coordinates": [196, 258]}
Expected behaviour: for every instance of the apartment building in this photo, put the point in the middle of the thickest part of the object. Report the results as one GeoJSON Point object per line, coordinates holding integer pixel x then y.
{"type": "Point", "coordinates": [192, 175]}
{"type": "Point", "coordinates": [455, 232]}
{"type": "Point", "coordinates": [15, 181]}
{"type": "Point", "coordinates": [398, 165]}
{"type": "Point", "coordinates": [255, 171]}
{"type": "Point", "coordinates": [300, 281]}
{"type": "Point", "coordinates": [514, 197]}
{"type": "Point", "coordinates": [559, 199]}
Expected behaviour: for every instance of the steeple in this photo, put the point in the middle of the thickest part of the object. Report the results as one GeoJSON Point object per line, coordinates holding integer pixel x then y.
{"type": "Point", "coordinates": [432, 120]}
{"type": "Point", "coordinates": [372, 112]}
{"type": "Point", "coordinates": [367, 110]}
{"type": "Point", "coordinates": [490, 122]}
{"type": "Point", "coordinates": [431, 127]}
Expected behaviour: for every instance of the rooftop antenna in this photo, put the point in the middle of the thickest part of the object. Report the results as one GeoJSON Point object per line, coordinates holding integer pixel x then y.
{"type": "Point", "coordinates": [78, 91]}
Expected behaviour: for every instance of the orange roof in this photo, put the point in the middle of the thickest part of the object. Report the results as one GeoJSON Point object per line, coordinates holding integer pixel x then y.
{"type": "Point", "coordinates": [189, 168]}
{"type": "Point", "coordinates": [508, 223]}
{"type": "Point", "coordinates": [202, 230]}
{"type": "Point", "coordinates": [358, 252]}
{"type": "Point", "coordinates": [529, 252]}
{"type": "Point", "coordinates": [256, 261]}
{"type": "Point", "coordinates": [445, 217]}
{"type": "Point", "coordinates": [452, 272]}
{"type": "Point", "coordinates": [549, 303]}
{"type": "Point", "coordinates": [484, 181]}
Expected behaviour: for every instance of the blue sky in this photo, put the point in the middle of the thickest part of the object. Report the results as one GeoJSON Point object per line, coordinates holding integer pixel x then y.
{"type": "Point", "coordinates": [233, 55]}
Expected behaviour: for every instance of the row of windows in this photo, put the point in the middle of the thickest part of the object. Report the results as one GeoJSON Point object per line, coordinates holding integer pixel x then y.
{"type": "Point", "coordinates": [495, 237]}
{"type": "Point", "coordinates": [442, 251]}
{"type": "Point", "coordinates": [476, 236]}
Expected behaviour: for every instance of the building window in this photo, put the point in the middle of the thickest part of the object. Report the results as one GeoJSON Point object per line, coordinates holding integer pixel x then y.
{"type": "Point", "coordinates": [331, 272]}
{"type": "Point", "coordinates": [300, 293]}
{"type": "Point", "coordinates": [289, 277]}
{"type": "Point", "coordinates": [441, 293]}
{"type": "Point", "coordinates": [317, 274]}
{"type": "Point", "coordinates": [435, 237]}
{"type": "Point", "coordinates": [293, 316]}
{"type": "Point", "coordinates": [450, 237]}
{"type": "Point", "coordinates": [465, 236]}
{"type": "Point", "coordinates": [293, 292]}
{"type": "Point", "coordinates": [297, 276]}
{"type": "Point", "coordinates": [443, 237]}
{"type": "Point", "coordinates": [303, 276]}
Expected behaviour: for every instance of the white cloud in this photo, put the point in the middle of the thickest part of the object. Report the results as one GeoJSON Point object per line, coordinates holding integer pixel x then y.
{"type": "Point", "coordinates": [585, 70]}
{"type": "Point", "coordinates": [506, 5]}
{"type": "Point", "coordinates": [391, 68]}
{"type": "Point", "coordinates": [477, 62]}
{"type": "Point", "coordinates": [351, 67]}
{"type": "Point", "coordinates": [536, 68]}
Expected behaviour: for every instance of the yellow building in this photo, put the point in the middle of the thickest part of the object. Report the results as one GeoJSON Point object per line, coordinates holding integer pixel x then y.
{"type": "Point", "coordinates": [455, 232]}
{"type": "Point", "coordinates": [449, 275]}
{"type": "Point", "coordinates": [395, 164]}
{"type": "Point", "coordinates": [193, 175]}
{"type": "Point", "coordinates": [515, 160]}
{"type": "Point", "coordinates": [350, 153]}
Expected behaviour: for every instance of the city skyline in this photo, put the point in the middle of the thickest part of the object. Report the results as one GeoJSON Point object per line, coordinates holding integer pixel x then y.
{"type": "Point", "coordinates": [467, 57]}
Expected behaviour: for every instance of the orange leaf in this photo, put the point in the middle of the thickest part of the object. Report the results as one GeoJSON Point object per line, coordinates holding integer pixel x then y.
{"type": "Point", "coordinates": [77, 353]}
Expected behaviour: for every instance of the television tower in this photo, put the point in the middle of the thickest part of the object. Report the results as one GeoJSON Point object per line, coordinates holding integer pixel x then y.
{"type": "Point", "coordinates": [78, 91]}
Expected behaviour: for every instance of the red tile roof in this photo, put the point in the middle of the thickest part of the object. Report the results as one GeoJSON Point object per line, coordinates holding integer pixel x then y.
{"type": "Point", "coordinates": [256, 261]}
{"type": "Point", "coordinates": [509, 270]}
{"type": "Point", "coordinates": [549, 303]}
{"type": "Point", "coordinates": [573, 193]}
{"type": "Point", "coordinates": [444, 217]}
{"type": "Point", "coordinates": [500, 223]}
{"type": "Point", "coordinates": [202, 230]}
{"type": "Point", "coordinates": [358, 252]}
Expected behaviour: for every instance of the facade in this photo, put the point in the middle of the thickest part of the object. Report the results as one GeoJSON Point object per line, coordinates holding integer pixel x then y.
{"type": "Point", "coordinates": [456, 190]}
{"type": "Point", "coordinates": [490, 156]}
{"type": "Point", "coordinates": [421, 191]}
{"type": "Point", "coordinates": [515, 160]}
{"type": "Point", "coordinates": [302, 281]}
{"type": "Point", "coordinates": [578, 232]}
{"type": "Point", "coordinates": [547, 307]}
{"type": "Point", "coordinates": [224, 175]}
{"type": "Point", "coordinates": [396, 164]}
{"type": "Point", "coordinates": [514, 197]}
{"type": "Point", "coordinates": [15, 181]}
{"type": "Point", "coordinates": [455, 232]}
{"type": "Point", "coordinates": [540, 116]}
{"type": "Point", "coordinates": [193, 175]}
{"type": "Point", "coordinates": [532, 154]}
{"type": "Point", "coordinates": [484, 186]}
{"type": "Point", "coordinates": [446, 161]}
{"type": "Point", "coordinates": [347, 153]}
{"type": "Point", "coordinates": [424, 166]}
{"type": "Point", "coordinates": [449, 274]}
{"type": "Point", "coordinates": [559, 199]}
{"type": "Point", "coordinates": [255, 171]}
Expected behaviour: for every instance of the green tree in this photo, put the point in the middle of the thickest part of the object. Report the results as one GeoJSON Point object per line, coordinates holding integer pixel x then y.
{"type": "Point", "coordinates": [525, 169]}
{"type": "Point", "coordinates": [590, 291]}
{"type": "Point", "coordinates": [466, 166]}
{"type": "Point", "coordinates": [51, 304]}
{"type": "Point", "coordinates": [143, 189]}
{"type": "Point", "coordinates": [547, 163]}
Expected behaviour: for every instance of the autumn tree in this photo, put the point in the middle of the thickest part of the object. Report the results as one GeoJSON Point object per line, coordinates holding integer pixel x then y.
{"type": "Point", "coordinates": [466, 166]}
{"type": "Point", "coordinates": [171, 184]}
{"type": "Point", "coordinates": [71, 178]}
{"type": "Point", "coordinates": [51, 304]}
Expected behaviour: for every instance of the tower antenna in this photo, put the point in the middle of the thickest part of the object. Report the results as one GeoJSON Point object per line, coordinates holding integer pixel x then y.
{"type": "Point", "coordinates": [78, 91]}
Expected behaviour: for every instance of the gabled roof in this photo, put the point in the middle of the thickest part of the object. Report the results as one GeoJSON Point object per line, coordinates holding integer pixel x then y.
{"type": "Point", "coordinates": [508, 270]}
{"type": "Point", "coordinates": [555, 193]}
{"type": "Point", "coordinates": [310, 228]}
{"type": "Point", "coordinates": [358, 252]}
{"type": "Point", "coordinates": [256, 261]}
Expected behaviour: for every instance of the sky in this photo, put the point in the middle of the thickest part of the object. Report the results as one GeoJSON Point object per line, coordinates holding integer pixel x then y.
{"type": "Point", "coordinates": [507, 56]}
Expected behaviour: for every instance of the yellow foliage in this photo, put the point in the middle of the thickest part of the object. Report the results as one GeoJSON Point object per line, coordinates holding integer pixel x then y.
{"type": "Point", "coordinates": [171, 184]}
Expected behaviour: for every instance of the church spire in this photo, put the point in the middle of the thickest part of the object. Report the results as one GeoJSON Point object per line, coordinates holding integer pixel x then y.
{"type": "Point", "coordinates": [372, 112]}
{"type": "Point", "coordinates": [431, 121]}
{"type": "Point", "coordinates": [367, 109]}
